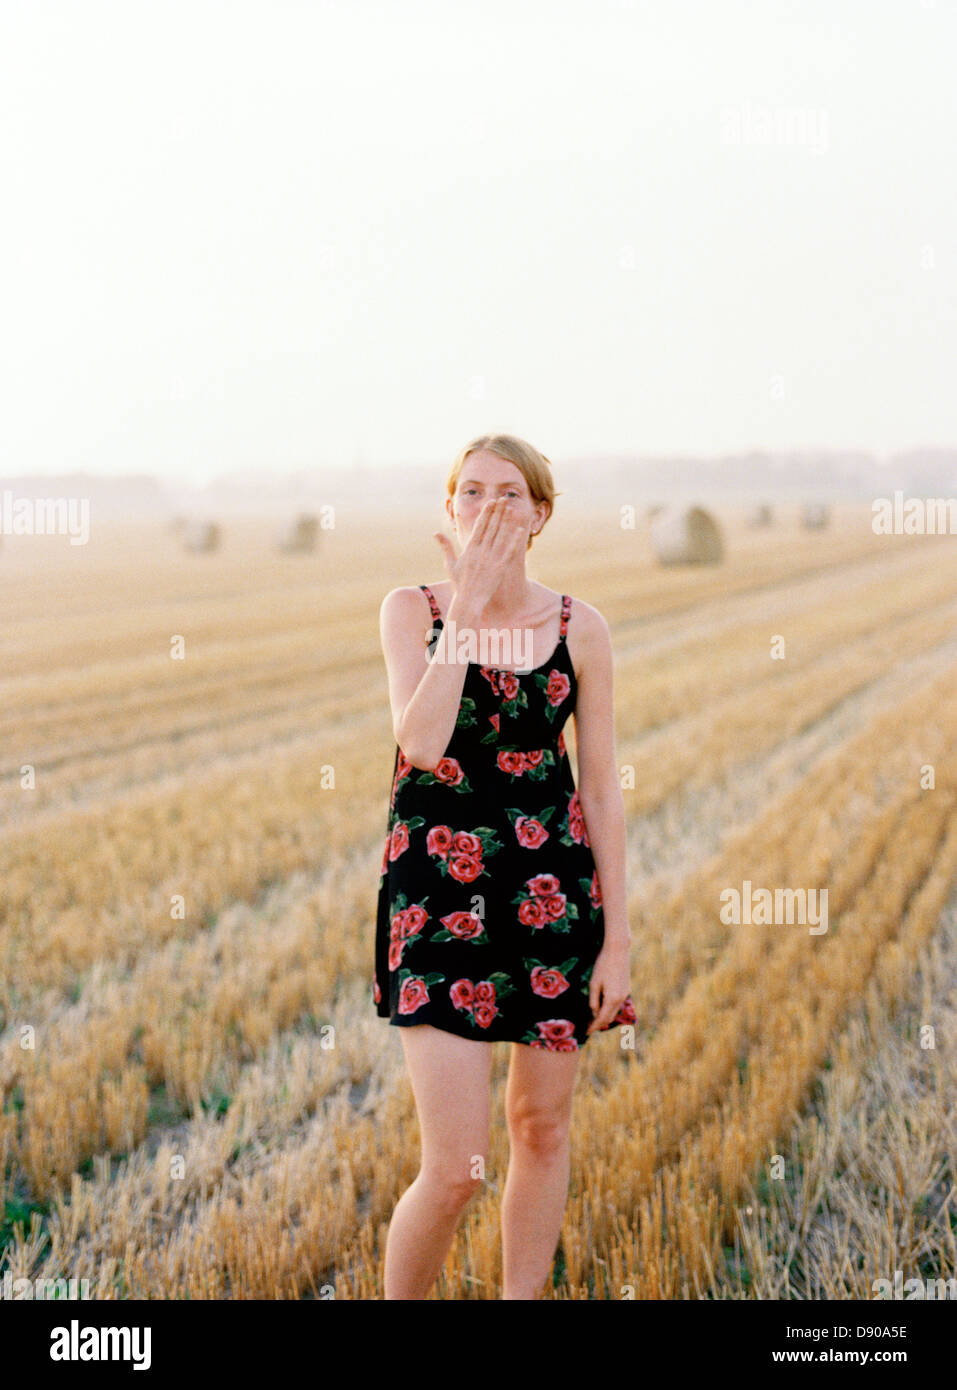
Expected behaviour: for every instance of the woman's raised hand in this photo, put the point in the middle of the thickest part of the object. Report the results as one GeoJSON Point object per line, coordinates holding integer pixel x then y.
{"type": "Point", "coordinates": [495, 537]}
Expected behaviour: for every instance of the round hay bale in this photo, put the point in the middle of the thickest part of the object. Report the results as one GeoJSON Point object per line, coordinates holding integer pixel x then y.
{"type": "Point", "coordinates": [202, 535]}
{"type": "Point", "coordinates": [815, 516]}
{"type": "Point", "coordinates": [299, 534]}
{"type": "Point", "coordinates": [760, 515]}
{"type": "Point", "coordinates": [684, 535]}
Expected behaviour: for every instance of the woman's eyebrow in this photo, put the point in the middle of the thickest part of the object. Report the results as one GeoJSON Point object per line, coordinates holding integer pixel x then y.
{"type": "Point", "coordinates": [479, 483]}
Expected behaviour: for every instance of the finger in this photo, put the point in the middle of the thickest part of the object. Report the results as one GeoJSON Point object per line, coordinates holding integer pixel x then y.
{"type": "Point", "coordinates": [480, 529]}
{"type": "Point", "coordinates": [448, 549]}
{"type": "Point", "coordinates": [604, 1015]}
{"type": "Point", "coordinates": [518, 535]}
{"type": "Point", "coordinates": [510, 532]}
{"type": "Point", "coordinates": [609, 1012]}
{"type": "Point", "coordinates": [496, 513]}
{"type": "Point", "coordinates": [601, 1021]}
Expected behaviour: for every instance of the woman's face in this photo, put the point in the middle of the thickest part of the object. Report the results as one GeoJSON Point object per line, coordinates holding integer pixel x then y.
{"type": "Point", "coordinates": [486, 476]}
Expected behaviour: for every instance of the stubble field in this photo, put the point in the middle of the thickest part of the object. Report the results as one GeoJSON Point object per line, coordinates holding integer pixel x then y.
{"type": "Point", "coordinates": [197, 1097]}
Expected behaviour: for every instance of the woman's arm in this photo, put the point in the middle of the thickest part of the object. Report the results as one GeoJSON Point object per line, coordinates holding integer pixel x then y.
{"type": "Point", "coordinates": [424, 694]}
{"type": "Point", "coordinates": [599, 788]}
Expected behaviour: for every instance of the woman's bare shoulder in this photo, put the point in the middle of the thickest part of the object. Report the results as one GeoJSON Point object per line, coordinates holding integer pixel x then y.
{"type": "Point", "coordinates": [404, 596]}
{"type": "Point", "coordinates": [401, 609]}
{"type": "Point", "coordinates": [586, 617]}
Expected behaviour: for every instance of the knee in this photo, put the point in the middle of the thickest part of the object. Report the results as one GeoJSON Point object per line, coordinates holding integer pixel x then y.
{"type": "Point", "coordinates": [453, 1186]}
{"type": "Point", "coordinates": [542, 1133]}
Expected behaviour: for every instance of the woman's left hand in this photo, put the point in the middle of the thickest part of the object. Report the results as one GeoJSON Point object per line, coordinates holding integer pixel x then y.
{"type": "Point", "coordinates": [610, 983]}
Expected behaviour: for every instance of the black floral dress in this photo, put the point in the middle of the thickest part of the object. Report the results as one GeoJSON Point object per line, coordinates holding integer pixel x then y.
{"type": "Point", "coordinates": [489, 911]}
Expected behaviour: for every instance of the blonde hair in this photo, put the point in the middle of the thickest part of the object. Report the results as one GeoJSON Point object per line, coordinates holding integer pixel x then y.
{"type": "Point", "coordinates": [534, 467]}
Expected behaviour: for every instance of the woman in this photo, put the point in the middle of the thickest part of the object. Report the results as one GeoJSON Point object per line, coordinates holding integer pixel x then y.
{"type": "Point", "coordinates": [491, 923]}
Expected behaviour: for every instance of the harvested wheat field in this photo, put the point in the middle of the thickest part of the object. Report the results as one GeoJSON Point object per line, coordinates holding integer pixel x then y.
{"type": "Point", "coordinates": [197, 1097]}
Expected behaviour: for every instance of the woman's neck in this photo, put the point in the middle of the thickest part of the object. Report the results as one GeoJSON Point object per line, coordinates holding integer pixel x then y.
{"type": "Point", "coordinates": [512, 595]}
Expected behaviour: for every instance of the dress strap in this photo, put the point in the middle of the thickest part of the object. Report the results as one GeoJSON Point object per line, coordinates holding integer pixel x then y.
{"type": "Point", "coordinates": [436, 615]}
{"type": "Point", "coordinates": [566, 609]}
{"type": "Point", "coordinates": [432, 633]}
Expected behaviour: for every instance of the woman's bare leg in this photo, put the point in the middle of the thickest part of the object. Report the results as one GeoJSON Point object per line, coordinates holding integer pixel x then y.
{"type": "Point", "coordinates": [450, 1080]}
{"type": "Point", "coordinates": [538, 1107]}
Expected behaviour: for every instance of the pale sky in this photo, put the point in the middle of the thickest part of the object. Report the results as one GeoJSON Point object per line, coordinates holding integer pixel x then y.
{"type": "Point", "coordinates": [260, 233]}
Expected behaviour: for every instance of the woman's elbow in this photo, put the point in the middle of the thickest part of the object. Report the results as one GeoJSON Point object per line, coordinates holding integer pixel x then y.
{"type": "Point", "coordinates": [416, 756]}
{"type": "Point", "coordinates": [421, 760]}
{"type": "Point", "coordinates": [604, 795]}
{"type": "Point", "coordinates": [425, 759]}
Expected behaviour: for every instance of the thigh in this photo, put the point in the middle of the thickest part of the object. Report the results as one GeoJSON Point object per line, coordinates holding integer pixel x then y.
{"type": "Point", "coordinates": [450, 1081]}
{"type": "Point", "coordinates": [541, 1084]}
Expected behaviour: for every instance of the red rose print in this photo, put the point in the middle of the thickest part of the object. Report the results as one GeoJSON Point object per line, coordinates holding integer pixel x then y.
{"type": "Point", "coordinates": [465, 843]}
{"type": "Point", "coordinates": [530, 832]}
{"type": "Point", "coordinates": [491, 676]}
{"type": "Point", "coordinates": [595, 890]}
{"type": "Point", "coordinates": [548, 982]}
{"type": "Point", "coordinates": [449, 770]}
{"type": "Point", "coordinates": [400, 839]}
{"type": "Point", "coordinates": [560, 744]}
{"type": "Point", "coordinates": [510, 685]}
{"type": "Point", "coordinates": [376, 992]}
{"type": "Point", "coordinates": [416, 917]}
{"type": "Point", "coordinates": [554, 906]}
{"type": "Point", "coordinates": [439, 840]}
{"type": "Point", "coordinates": [553, 1036]}
{"type": "Point", "coordinates": [576, 820]}
{"type": "Point", "coordinates": [495, 720]}
{"type": "Point", "coordinates": [480, 999]}
{"type": "Point", "coordinates": [626, 1014]}
{"type": "Point", "coordinates": [510, 761]}
{"type": "Point", "coordinates": [402, 769]}
{"type": "Point", "coordinates": [557, 688]}
{"type": "Point", "coordinates": [532, 913]}
{"type": "Point", "coordinates": [555, 1028]}
{"type": "Point", "coordinates": [543, 885]}
{"type": "Point", "coordinates": [465, 867]}
{"type": "Point", "coordinates": [462, 994]}
{"type": "Point", "coordinates": [412, 996]}
{"type": "Point", "coordinates": [534, 758]}
{"type": "Point", "coordinates": [404, 924]}
{"type": "Point", "coordinates": [462, 924]}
